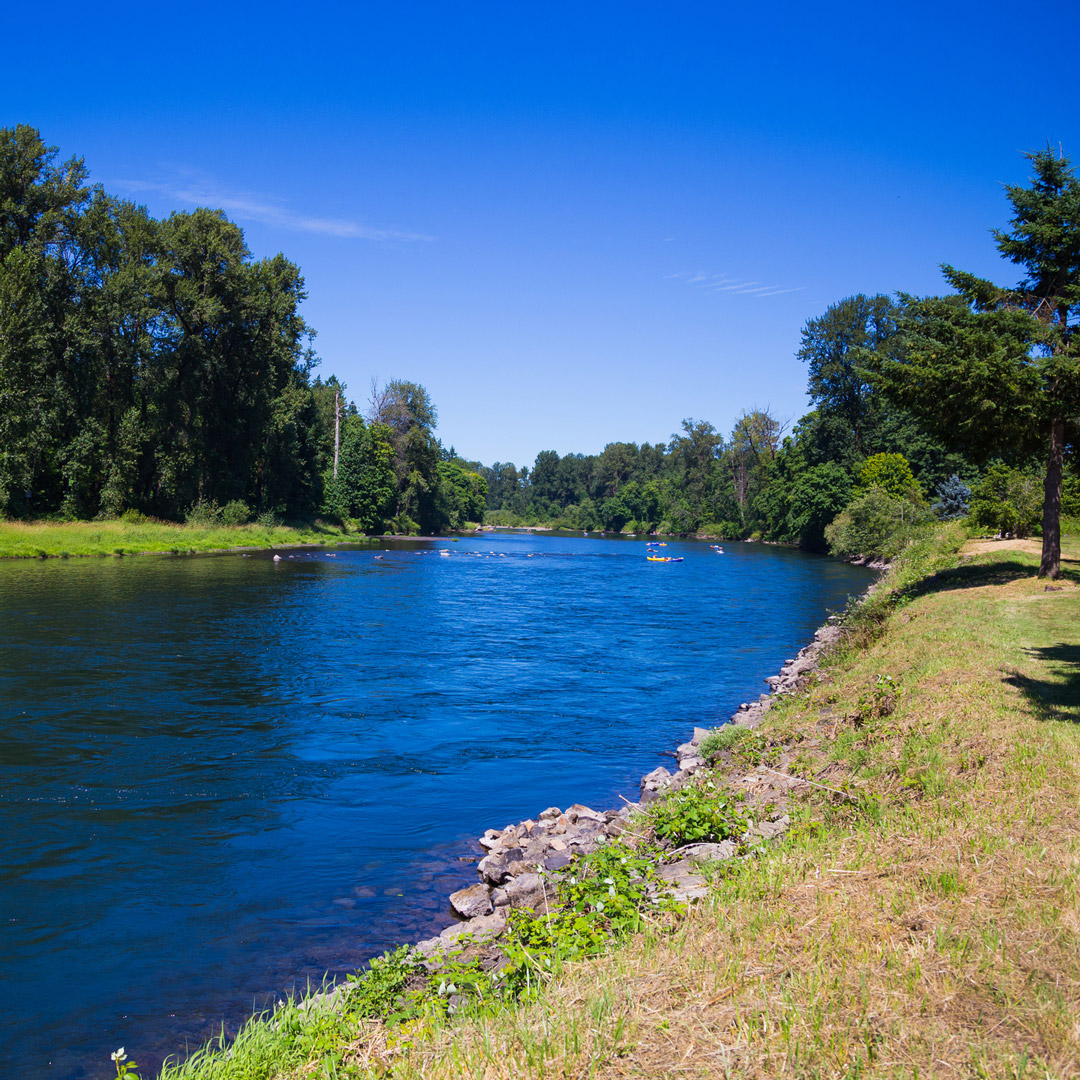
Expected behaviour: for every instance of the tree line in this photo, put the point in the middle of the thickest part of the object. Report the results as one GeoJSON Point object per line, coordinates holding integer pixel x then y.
{"type": "Point", "coordinates": [971, 400]}
{"type": "Point", "coordinates": [155, 367]}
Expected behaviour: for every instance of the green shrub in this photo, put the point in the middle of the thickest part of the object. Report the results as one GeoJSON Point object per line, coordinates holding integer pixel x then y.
{"type": "Point", "coordinates": [1007, 501]}
{"type": "Point", "coordinates": [697, 813]}
{"type": "Point", "coordinates": [236, 512]}
{"type": "Point", "coordinates": [876, 525]}
{"type": "Point", "coordinates": [269, 519]}
{"type": "Point", "coordinates": [742, 742]}
{"type": "Point", "coordinates": [207, 514]}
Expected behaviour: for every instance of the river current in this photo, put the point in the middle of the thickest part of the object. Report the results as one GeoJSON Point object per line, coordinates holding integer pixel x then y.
{"type": "Point", "coordinates": [222, 777]}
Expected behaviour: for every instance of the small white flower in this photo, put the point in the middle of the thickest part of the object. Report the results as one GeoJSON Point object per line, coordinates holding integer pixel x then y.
{"type": "Point", "coordinates": [118, 1055]}
{"type": "Point", "coordinates": [611, 890]}
{"type": "Point", "coordinates": [599, 905]}
{"type": "Point", "coordinates": [609, 881]}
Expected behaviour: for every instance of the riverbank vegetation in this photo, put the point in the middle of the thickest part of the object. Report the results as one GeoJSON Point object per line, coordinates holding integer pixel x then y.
{"type": "Point", "coordinates": [155, 367]}
{"type": "Point", "coordinates": [131, 536]}
{"type": "Point", "coordinates": [921, 917]}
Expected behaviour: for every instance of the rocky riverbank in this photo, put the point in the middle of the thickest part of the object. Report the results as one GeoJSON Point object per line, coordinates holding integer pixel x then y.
{"type": "Point", "coordinates": [519, 859]}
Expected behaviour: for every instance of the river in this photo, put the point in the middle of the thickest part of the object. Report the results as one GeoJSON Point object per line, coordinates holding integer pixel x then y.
{"type": "Point", "coordinates": [224, 776]}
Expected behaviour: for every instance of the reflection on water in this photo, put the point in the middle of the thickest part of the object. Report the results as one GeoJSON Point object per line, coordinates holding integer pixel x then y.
{"type": "Point", "coordinates": [221, 777]}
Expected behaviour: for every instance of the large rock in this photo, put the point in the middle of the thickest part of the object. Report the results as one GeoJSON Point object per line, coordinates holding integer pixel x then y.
{"type": "Point", "coordinates": [529, 891]}
{"type": "Point", "coordinates": [499, 865]}
{"type": "Point", "coordinates": [472, 901]}
{"type": "Point", "coordinates": [683, 882]}
{"type": "Point", "coordinates": [483, 926]}
{"type": "Point", "coordinates": [653, 783]}
{"type": "Point", "coordinates": [557, 860]}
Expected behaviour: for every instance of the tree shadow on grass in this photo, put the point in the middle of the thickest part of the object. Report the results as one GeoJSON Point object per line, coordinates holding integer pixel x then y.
{"type": "Point", "coordinates": [971, 575]}
{"type": "Point", "coordinates": [1058, 695]}
{"type": "Point", "coordinates": [968, 575]}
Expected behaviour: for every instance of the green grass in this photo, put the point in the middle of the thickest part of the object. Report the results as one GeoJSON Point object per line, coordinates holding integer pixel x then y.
{"type": "Point", "coordinates": [33, 540]}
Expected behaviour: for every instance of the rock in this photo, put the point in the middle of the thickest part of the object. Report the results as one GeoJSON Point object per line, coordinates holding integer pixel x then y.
{"type": "Point", "coordinates": [428, 946]}
{"type": "Point", "coordinates": [557, 844]}
{"type": "Point", "coordinates": [688, 749]}
{"type": "Point", "coordinates": [498, 866]}
{"type": "Point", "coordinates": [685, 884]}
{"type": "Point", "coordinates": [557, 860]}
{"type": "Point", "coordinates": [767, 830]}
{"type": "Point", "coordinates": [578, 813]}
{"type": "Point", "coordinates": [484, 926]}
{"type": "Point", "coordinates": [654, 782]}
{"type": "Point", "coordinates": [699, 734]}
{"type": "Point", "coordinates": [691, 762]}
{"type": "Point", "coordinates": [528, 891]}
{"type": "Point", "coordinates": [726, 849]}
{"type": "Point", "coordinates": [471, 901]}
{"type": "Point", "coordinates": [550, 814]}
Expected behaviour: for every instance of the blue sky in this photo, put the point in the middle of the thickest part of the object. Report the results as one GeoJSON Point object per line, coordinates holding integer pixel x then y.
{"type": "Point", "coordinates": [573, 223]}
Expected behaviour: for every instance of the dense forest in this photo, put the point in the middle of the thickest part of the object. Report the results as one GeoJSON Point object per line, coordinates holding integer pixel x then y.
{"type": "Point", "coordinates": [154, 367]}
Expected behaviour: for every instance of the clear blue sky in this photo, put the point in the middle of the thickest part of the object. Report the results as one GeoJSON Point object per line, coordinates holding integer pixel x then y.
{"type": "Point", "coordinates": [572, 222]}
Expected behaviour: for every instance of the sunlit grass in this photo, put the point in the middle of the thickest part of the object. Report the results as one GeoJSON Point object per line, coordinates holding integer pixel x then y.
{"type": "Point", "coordinates": [30, 540]}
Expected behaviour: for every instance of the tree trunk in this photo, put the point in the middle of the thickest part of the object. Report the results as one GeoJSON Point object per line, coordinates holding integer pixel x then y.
{"type": "Point", "coordinates": [1050, 566]}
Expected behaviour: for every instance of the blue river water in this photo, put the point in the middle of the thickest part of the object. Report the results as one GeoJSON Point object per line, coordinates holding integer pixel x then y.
{"type": "Point", "coordinates": [222, 777]}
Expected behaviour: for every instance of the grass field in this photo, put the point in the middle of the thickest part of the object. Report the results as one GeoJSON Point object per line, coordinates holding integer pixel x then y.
{"type": "Point", "coordinates": [920, 919]}
{"type": "Point", "coordinates": [33, 540]}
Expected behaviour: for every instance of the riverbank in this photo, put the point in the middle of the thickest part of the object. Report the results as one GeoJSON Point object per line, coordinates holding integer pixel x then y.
{"type": "Point", "coordinates": [920, 914]}
{"type": "Point", "coordinates": [72, 539]}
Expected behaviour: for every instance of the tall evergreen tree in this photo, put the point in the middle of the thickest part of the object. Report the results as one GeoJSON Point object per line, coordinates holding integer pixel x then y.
{"type": "Point", "coordinates": [997, 368]}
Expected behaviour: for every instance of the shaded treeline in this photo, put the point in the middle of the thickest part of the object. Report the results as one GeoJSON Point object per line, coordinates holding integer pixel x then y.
{"type": "Point", "coordinates": [156, 367]}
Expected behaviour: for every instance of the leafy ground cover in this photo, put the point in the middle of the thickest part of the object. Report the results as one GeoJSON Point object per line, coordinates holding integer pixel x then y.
{"type": "Point", "coordinates": [921, 917]}
{"type": "Point", "coordinates": [35, 540]}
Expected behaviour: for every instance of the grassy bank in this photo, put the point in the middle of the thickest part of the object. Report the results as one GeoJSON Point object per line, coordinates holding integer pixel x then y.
{"type": "Point", "coordinates": [920, 919]}
{"type": "Point", "coordinates": [36, 540]}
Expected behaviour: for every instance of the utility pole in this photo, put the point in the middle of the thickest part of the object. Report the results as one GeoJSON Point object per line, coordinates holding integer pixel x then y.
{"type": "Point", "coordinates": [337, 428]}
